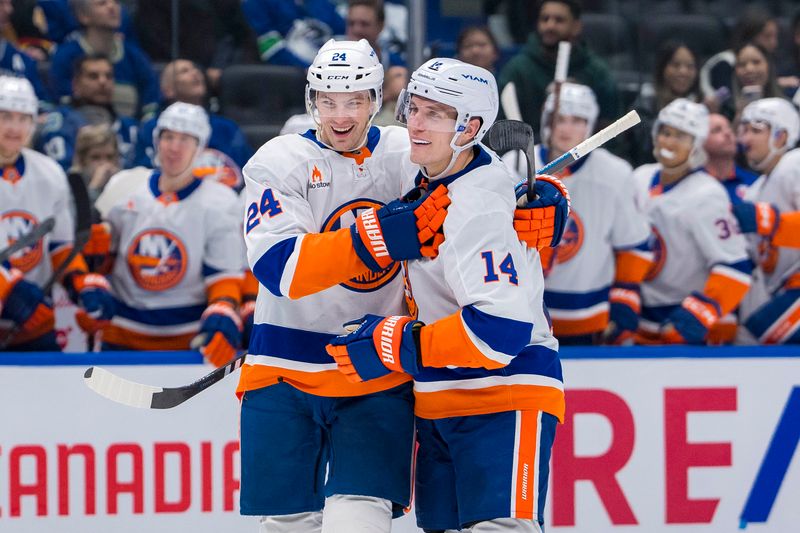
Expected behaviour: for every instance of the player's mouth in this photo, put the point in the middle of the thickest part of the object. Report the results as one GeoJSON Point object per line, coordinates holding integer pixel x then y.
{"type": "Point", "coordinates": [342, 132]}
{"type": "Point", "coordinates": [420, 142]}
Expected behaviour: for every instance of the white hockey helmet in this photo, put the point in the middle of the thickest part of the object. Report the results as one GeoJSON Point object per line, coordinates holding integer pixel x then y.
{"type": "Point", "coordinates": [184, 118]}
{"type": "Point", "coordinates": [688, 117]}
{"type": "Point", "coordinates": [779, 115]}
{"type": "Point", "coordinates": [574, 100]}
{"type": "Point", "coordinates": [469, 89]}
{"type": "Point", "coordinates": [17, 94]}
{"type": "Point", "coordinates": [345, 67]}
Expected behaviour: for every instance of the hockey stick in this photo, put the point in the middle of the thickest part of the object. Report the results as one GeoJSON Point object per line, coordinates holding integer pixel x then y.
{"type": "Point", "coordinates": [29, 239]}
{"type": "Point", "coordinates": [130, 393]}
{"type": "Point", "coordinates": [510, 102]}
{"type": "Point", "coordinates": [507, 135]}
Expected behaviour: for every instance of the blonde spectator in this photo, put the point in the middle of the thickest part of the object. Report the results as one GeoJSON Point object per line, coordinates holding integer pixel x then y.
{"type": "Point", "coordinates": [96, 157]}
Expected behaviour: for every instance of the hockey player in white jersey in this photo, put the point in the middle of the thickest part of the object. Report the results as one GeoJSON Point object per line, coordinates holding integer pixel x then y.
{"type": "Point", "coordinates": [701, 269]}
{"type": "Point", "coordinates": [178, 265]}
{"type": "Point", "coordinates": [592, 288]}
{"type": "Point", "coordinates": [768, 131]}
{"type": "Point", "coordinates": [488, 384]}
{"type": "Point", "coordinates": [32, 188]}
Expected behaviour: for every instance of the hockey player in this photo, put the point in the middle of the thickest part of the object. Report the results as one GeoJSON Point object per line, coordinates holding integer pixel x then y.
{"type": "Point", "coordinates": [592, 290]}
{"type": "Point", "coordinates": [32, 188]}
{"type": "Point", "coordinates": [178, 266]}
{"type": "Point", "coordinates": [701, 269]}
{"type": "Point", "coordinates": [769, 130]}
{"type": "Point", "coordinates": [487, 376]}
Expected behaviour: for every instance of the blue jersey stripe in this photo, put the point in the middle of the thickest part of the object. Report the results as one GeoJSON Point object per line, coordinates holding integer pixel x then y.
{"type": "Point", "coordinates": [289, 343]}
{"type": "Point", "coordinates": [503, 335]}
{"type": "Point", "coordinates": [170, 316]}
{"type": "Point", "coordinates": [575, 300]}
{"type": "Point", "coordinates": [531, 360]}
{"type": "Point", "coordinates": [270, 266]}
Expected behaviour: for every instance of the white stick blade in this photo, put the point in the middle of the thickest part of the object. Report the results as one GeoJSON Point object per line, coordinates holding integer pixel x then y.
{"type": "Point", "coordinates": [117, 389]}
{"type": "Point", "coordinates": [609, 132]}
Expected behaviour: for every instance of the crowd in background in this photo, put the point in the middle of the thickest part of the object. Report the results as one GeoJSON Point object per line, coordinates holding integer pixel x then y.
{"type": "Point", "coordinates": [103, 71]}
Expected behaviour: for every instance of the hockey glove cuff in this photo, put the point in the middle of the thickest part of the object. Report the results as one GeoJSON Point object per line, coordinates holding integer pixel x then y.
{"type": "Point", "coordinates": [541, 222]}
{"type": "Point", "coordinates": [625, 306]}
{"type": "Point", "coordinates": [761, 218]}
{"type": "Point", "coordinates": [694, 318]}
{"type": "Point", "coordinates": [97, 304]}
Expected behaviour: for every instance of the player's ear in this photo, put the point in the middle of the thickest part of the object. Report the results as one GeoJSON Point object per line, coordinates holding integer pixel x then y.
{"type": "Point", "coordinates": [780, 138]}
{"type": "Point", "coordinates": [472, 129]}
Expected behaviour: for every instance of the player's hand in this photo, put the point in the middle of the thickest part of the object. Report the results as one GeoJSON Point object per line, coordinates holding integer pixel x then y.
{"type": "Point", "coordinates": [220, 333]}
{"type": "Point", "coordinates": [625, 306]}
{"type": "Point", "coordinates": [378, 346]}
{"type": "Point", "coordinates": [246, 314]}
{"type": "Point", "coordinates": [97, 249]}
{"type": "Point", "coordinates": [97, 305]}
{"type": "Point", "coordinates": [761, 218]}
{"type": "Point", "coordinates": [540, 223]}
{"type": "Point", "coordinates": [401, 230]}
{"type": "Point", "coordinates": [25, 304]}
{"type": "Point", "coordinates": [691, 321]}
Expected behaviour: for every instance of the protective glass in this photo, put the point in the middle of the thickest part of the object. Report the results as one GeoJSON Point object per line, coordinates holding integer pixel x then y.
{"type": "Point", "coordinates": [359, 105]}
{"type": "Point", "coordinates": [424, 117]}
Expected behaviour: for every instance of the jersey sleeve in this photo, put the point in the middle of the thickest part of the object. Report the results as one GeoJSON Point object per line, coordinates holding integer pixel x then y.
{"type": "Point", "coordinates": [630, 233]}
{"type": "Point", "coordinates": [222, 256]}
{"type": "Point", "coordinates": [284, 249]}
{"type": "Point", "coordinates": [486, 268]}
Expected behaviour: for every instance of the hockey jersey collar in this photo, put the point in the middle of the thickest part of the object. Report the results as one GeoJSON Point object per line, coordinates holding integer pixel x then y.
{"type": "Point", "coordinates": [18, 167]}
{"type": "Point", "coordinates": [178, 195]}
{"type": "Point", "coordinates": [481, 158]}
{"type": "Point", "coordinates": [573, 168]}
{"type": "Point", "coordinates": [656, 187]}
{"type": "Point", "coordinates": [373, 136]}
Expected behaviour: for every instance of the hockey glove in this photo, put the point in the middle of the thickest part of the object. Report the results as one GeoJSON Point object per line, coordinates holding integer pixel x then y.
{"type": "Point", "coordinates": [761, 218]}
{"type": "Point", "coordinates": [246, 314]}
{"type": "Point", "coordinates": [401, 230]}
{"type": "Point", "coordinates": [379, 346]}
{"type": "Point", "coordinates": [625, 306]}
{"type": "Point", "coordinates": [541, 222]}
{"type": "Point", "coordinates": [97, 249]}
{"type": "Point", "coordinates": [24, 304]}
{"type": "Point", "coordinates": [692, 320]}
{"type": "Point", "coordinates": [97, 305]}
{"type": "Point", "coordinates": [221, 333]}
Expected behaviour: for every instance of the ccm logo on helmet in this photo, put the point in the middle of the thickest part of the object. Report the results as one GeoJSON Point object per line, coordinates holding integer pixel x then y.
{"type": "Point", "coordinates": [338, 77]}
{"type": "Point", "coordinates": [476, 78]}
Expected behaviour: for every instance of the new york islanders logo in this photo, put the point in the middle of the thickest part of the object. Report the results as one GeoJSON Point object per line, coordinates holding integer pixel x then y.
{"type": "Point", "coordinates": [157, 259]}
{"type": "Point", "coordinates": [15, 224]}
{"type": "Point", "coordinates": [343, 217]}
{"type": "Point", "coordinates": [659, 248]}
{"type": "Point", "coordinates": [572, 240]}
{"type": "Point", "coordinates": [217, 166]}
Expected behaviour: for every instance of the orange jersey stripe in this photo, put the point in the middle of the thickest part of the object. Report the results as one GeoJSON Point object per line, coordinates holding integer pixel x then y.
{"type": "Point", "coordinates": [631, 267]}
{"type": "Point", "coordinates": [581, 326]}
{"type": "Point", "coordinates": [781, 329]}
{"type": "Point", "coordinates": [526, 481]}
{"type": "Point", "coordinates": [228, 288]}
{"type": "Point", "coordinates": [788, 232]}
{"type": "Point", "coordinates": [726, 291]}
{"type": "Point", "coordinates": [78, 264]}
{"type": "Point", "coordinates": [324, 260]}
{"type": "Point", "coordinates": [465, 402]}
{"type": "Point", "coordinates": [446, 342]}
{"type": "Point", "coordinates": [114, 334]}
{"type": "Point", "coordinates": [328, 383]}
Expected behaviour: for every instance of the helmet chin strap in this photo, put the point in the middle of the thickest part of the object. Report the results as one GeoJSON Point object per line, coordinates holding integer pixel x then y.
{"type": "Point", "coordinates": [456, 152]}
{"type": "Point", "coordinates": [774, 152]}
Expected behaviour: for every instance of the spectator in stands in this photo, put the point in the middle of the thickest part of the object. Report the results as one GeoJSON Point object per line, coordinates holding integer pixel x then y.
{"type": "Point", "coordinates": [754, 78]}
{"type": "Point", "coordinates": [227, 150]}
{"type": "Point", "coordinates": [59, 21]}
{"type": "Point", "coordinates": [675, 76]}
{"type": "Point", "coordinates": [135, 84]}
{"type": "Point", "coordinates": [720, 146]}
{"type": "Point", "coordinates": [716, 75]}
{"type": "Point", "coordinates": [365, 20]}
{"type": "Point", "coordinates": [96, 158]}
{"type": "Point", "coordinates": [476, 45]}
{"type": "Point", "coordinates": [532, 70]}
{"type": "Point", "coordinates": [212, 33]}
{"type": "Point", "coordinates": [13, 61]}
{"type": "Point", "coordinates": [92, 91]}
{"type": "Point", "coordinates": [28, 28]}
{"type": "Point", "coordinates": [291, 33]}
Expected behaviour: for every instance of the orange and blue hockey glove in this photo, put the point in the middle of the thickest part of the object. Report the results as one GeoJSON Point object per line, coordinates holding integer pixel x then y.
{"type": "Point", "coordinates": [97, 305]}
{"type": "Point", "coordinates": [540, 223]}
{"type": "Point", "coordinates": [24, 303]}
{"type": "Point", "coordinates": [691, 321]}
{"type": "Point", "coordinates": [97, 250]}
{"type": "Point", "coordinates": [401, 230]}
{"type": "Point", "coordinates": [220, 333]}
{"type": "Point", "coordinates": [625, 305]}
{"type": "Point", "coordinates": [761, 218]}
{"type": "Point", "coordinates": [378, 346]}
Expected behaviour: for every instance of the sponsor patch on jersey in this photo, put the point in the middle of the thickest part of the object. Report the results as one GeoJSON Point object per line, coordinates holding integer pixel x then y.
{"type": "Point", "coordinates": [659, 248]}
{"type": "Point", "coordinates": [15, 224]}
{"type": "Point", "coordinates": [318, 177]}
{"type": "Point", "coordinates": [157, 259]}
{"type": "Point", "coordinates": [572, 240]}
{"type": "Point", "coordinates": [343, 217]}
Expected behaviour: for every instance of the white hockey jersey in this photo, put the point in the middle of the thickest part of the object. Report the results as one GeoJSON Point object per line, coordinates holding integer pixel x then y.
{"type": "Point", "coordinates": [606, 233]}
{"type": "Point", "coordinates": [299, 193]}
{"type": "Point", "coordinates": [31, 190]}
{"type": "Point", "coordinates": [481, 299]}
{"type": "Point", "coordinates": [171, 249]}
{"type": "Point", "coordinates": [697, 244]}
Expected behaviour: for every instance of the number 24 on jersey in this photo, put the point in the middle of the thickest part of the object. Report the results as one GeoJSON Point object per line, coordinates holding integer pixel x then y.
{"type": "Point", "coordinates": [269, 206]}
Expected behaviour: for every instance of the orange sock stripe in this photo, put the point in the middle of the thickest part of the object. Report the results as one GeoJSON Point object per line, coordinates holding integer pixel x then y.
{"type": "Point", "coordinates": [788, 232]}
{"type": "Point", "coordinates": [324, 260]}
{"type": "Point", "coordinates": [446, 342]}
{"type": "Point", "coordinates": [227, 289]}
{"type": "Point", "coordinates": [249, 286]}
{"type": "Point", "coordinates": [631, 267]}
{"type": "Point", "coordinates": [726, 291]}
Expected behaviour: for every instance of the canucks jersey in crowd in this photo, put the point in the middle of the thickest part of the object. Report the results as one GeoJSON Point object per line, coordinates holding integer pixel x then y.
{"type": "Point", "coordinates": [13, 62]}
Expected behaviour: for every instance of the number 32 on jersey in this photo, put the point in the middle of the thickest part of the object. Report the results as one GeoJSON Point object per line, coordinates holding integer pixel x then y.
{"type": "Point", "coordinates": [269, 206]}
{"type": "Point", "coordinates": [506, 268]}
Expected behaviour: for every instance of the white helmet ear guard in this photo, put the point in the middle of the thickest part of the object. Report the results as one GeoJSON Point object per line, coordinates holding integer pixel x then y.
{"type": "Point", "coordinates": [688, 117]}
{"type": "Point", "coordinates": [779, 115]}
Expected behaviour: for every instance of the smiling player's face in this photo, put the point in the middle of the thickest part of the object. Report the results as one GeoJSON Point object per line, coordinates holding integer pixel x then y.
{"type": "Point", "coordinates": [344, 119]}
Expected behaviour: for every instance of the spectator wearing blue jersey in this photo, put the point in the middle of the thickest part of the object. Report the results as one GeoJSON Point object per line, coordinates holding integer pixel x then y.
{"type": "Point", "coordinates": [59, 20]}
{"type": "Point", "coordinates": [92, 90]}
{"type": "Point", "coordinates": [720, 147]}
{"type": "Point", "coordinates": [291, 33]}
{"type": "Point", "coordinates": [13, 61]}
{"type": "Point", "coordinates": [227, 150]}
{"type": "Point", "coordinates": [135, 83]}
